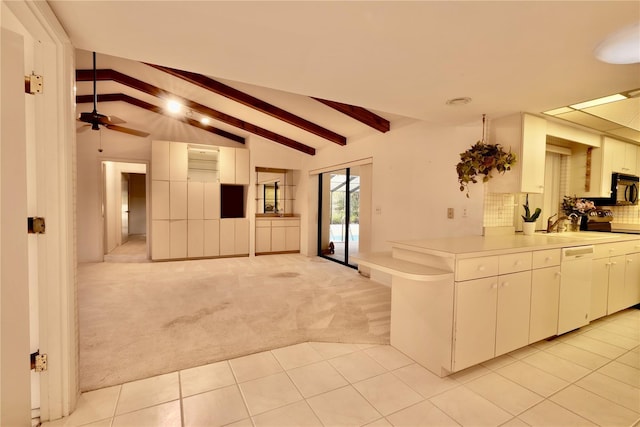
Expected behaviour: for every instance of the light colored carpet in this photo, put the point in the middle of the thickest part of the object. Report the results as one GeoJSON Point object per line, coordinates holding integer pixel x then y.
{"type": "Point", "coordinates": [142, 319]}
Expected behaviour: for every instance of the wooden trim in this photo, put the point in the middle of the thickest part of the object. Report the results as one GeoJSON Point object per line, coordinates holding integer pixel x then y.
{"type": "Point", "coordinates": [112, 97]}
{"type": "Point", "coordinates": [271, 170]}
{"type": "Point", "coordinates": [250, 101]}
{"type": "Point", "coordinates": [87, 75]}
{"type": "Point", "coordinates": [360, 114]}
{"type": "Point", "coordinates": [359, 162]}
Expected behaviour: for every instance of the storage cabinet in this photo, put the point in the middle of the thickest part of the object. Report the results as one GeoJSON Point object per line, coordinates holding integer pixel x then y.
{"type": "Point", "coordinates": [178, 199]}
{"type": "Point", "coordinates": [526, 136]}
{"type": "Point", "coordinates": [491, 313]}
{"type": "Point", "coordinates": [195, 198]}
{"type": "Point", "coordinates": [178, 161]}
{"type": "Point", "coordinates": [211, 200]}
{"type": "Point", "coordinates": [178, 239]}
{"type": "Point", "coordinates": [277, 235]}
{"type": "Point", "coordinates": [160, 155]}
{"type": "Point", "coordinates": [195, 238]}
{"type": "Point", "coordinates": [631, 293]}
{"type": "Point", "coordinates": [234, 166]}
{"type": "Point", "coordinates": [160, 199]}
{"type": "Point", "coordinates": [545, 296]}
{"type": "Point", "coordinates": [234, 236]}
{"type": "Point", "coordinates": [160, 239]}
{"type": "Point", "coordinates": [211, 244]}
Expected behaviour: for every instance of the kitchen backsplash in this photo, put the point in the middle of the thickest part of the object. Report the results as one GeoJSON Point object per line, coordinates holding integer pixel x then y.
{"type": "Point", "coordinates": [625, 214]}
{"type": "Point", "coordinates": [498, 209]}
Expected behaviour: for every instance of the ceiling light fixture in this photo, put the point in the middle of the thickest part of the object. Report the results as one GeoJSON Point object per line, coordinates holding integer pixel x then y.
{"type": "Point", "coordinates": [598, 101]}
{"type": "Point", "coordinates": [557, 111]}
{"type": "Point", "coordinates": [459, 101]}
{"type": "Point", "coordinates": [174, 106]}
{"type": "Point", "coordinates": [205, 120]}
{"type": "Point", "coordinates": [621, 47]}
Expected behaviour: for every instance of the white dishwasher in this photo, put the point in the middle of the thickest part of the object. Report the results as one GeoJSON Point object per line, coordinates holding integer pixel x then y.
{"type": "Point", "coordinates": [575, 288]}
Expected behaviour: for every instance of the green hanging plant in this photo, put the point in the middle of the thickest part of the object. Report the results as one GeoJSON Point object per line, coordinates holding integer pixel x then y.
{"type": "Point", "coordinates": [482, 159]}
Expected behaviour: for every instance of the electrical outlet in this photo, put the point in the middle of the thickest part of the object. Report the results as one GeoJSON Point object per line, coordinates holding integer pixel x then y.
{"type": "Point", "coordinates": [464, 213]}
{"type": "Point", "coordinates": [450, 213]}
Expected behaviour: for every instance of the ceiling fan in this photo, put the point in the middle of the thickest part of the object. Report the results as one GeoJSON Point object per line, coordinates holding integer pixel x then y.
{"type": "Point", "coordinates": [96, 119]}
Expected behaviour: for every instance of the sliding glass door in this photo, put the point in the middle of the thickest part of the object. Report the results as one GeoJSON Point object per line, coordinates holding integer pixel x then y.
{"type": "Point", "coordinates": [339, 210]}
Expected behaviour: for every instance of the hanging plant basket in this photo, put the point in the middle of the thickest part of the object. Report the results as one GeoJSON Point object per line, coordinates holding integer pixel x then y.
{"type": "Point", "coordinates": [482, 159]}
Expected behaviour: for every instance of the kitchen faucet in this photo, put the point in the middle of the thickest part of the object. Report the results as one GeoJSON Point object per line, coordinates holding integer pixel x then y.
{"type": "Point", "coordinates": [551, 225]}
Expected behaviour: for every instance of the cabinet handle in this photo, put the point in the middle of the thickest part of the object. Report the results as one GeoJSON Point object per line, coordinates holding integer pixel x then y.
{"type": "Point", "coordinates": [518, 262]}
{"type": "Point", "coordinates": [494, 285]}
{"type": "Point", "coordinates": [547, 259]}
{"type": "Point", "coordinates": [505, 284]}
{"type": "Point", "coordinates": [558, 274]}
{"type": "Point", "coordinates": [629, 261]}
{"type": "Point", "coordinates": [614, 262]}
{"type": "Point", "coordinates": [481, 268]}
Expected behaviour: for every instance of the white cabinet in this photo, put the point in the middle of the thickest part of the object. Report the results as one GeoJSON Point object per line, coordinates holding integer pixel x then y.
{"type": "Point", "coordinates": [526, 136]}
{"type": "Point", "coordinates": [178, 239]}
{"type": "Point", "coordinates": [160, 239]}
{"type": "Point", "coordinates": [234, 236]}
{"type": "Point", "coordinates": [608, 276]}
{"type": "Point", "coordinates": [195, 238]}
{"type": "Point", "coordinates": [234, 165]}
{"type": "Point", "coordinates": [631, 293]}
{"type": "Point", "coordinates": [277, 235]}
{"type": "Point", "coordinates": [160, 199]}
{"type": "Point", "coordinates": [178, 199]}
{"type": "Point", "coordinates": [491, 313]}
{"type": "Point", "coordinates": [178, 161]}
{"type": "Point", "coordinates": [195, 197]}
{"type": "Point", "coordinates": [211, 200]}
{"type": "Point", "coordinates": [211, 244]}
{"type": "Point", "coordinates": [160, 155]}
{"type": "Point", "coordinates": [545, 294]}
{"type": "Point", "coordinates": [512, 318]}
{"type": "Point", "coordinates": [475, 321]}
{"type": "Point", "coordinates": [623, 156]}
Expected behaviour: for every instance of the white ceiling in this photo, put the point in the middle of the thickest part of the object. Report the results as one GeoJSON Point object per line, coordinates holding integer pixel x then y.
{"type": "Point", "coordinates": [404, 58]}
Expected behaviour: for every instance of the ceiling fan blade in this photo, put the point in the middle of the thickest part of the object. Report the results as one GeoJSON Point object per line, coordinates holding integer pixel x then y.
{"type": "Point", "coordinates": [127, 130]}
{"type": "Point", "coordinates": [82, 128]}
{"type": "Point", "coordinates": [115, 120]}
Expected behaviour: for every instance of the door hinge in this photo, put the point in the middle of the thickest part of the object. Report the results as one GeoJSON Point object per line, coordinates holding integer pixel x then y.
{"type": "Point", "coordinates": [33, 84]}
{"type": "Point", "coordinates": [35, 225]}
{"type": "Point", "coordinates": [38, 361]}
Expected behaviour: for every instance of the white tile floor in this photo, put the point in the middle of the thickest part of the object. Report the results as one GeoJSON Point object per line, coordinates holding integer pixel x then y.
{"type": "Point", "coordinates": [588, 377]}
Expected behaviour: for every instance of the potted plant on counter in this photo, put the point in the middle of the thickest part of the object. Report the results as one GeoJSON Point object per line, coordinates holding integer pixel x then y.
{"type": "Point", "coordinates": [529, 225]}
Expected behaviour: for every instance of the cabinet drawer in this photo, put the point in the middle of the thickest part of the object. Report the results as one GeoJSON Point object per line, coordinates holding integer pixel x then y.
{"type": "Point", "coordinates": [547, 258]}
{"type": "Point", "coordinates": [513, 263]}
{"type": "Point", "coordinates": [610, 249]}
{"type": "Point", "coordinates": [260, 223]}
{"type": "Point", "coordinates": [475, 268]}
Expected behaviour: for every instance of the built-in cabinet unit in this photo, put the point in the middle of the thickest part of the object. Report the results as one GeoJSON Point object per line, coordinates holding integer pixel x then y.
{"type": "Point", "coordinates": [525, 135]}
{"type": "Point", "coordinates": [492, 307]}
{"type": "Point", "coordinates": [277, 235]}
{"type": "Point", "coordinates": [545, 291]}
{"type": "Point", "coordinates": [185, 200]}
{"type": "Point", "coordinates": [616, 278]}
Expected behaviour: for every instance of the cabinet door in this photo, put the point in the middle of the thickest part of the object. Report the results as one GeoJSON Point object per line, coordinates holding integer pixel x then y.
{"type": "Point", "coordinates": [545, 293]}
{"type": "Point", "coordinates": [475, 321]}
{"type": "Point", "coordinates": [160, 155]}
{"type": "Point", "coordinates": [211, 200]}
{"type": "Point", "coordinates": [242, 166]}
{"type": "Point", "coordinates": [227, 237]}
{"type": "Point", "coordinates": [160, 239]}
{"type": "Point", "coordinates": [278, 238]}
{"type": "Point", "coordinates": [211, 237]}
{"type": "Point", "coordinates": [178, 199]}
{"type": "Point", "coordinates": [227, 165]}
{"type": "Point", "coordinates": [195, 238]}
{"type": "Point", "coordinates": [514, 304]}
{"type": "Point", "coordinates": [242, 236]}
{"type": "Point", "coordinates": [178, 231]}
{"type": "Point", "coordinates": [599, 288]}
{"type": "Point", "coordinates": [292, 238]}
{"type": "Point", "coordinates": [632, 280]}
{"type": "Point", "coordinates": [534, 137]}
{"type": "Point", "coordinates": [160, 199]}
{"type": "Point", "coordinates": [195, 199]}
{"type": "Point", "coordinates": [263, 239]}
{"type": "Point", "coordinates": [615, 294]}
{"type": "Point", "coordinates": [179, 162]}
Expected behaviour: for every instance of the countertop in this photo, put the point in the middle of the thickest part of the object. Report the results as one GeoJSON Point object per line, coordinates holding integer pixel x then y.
{"type": "Point", "coordinates": [470, 246]}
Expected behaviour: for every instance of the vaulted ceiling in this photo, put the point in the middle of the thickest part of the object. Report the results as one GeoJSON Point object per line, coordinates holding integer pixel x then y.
{"type": "Point", "coordinates": [397, 59]}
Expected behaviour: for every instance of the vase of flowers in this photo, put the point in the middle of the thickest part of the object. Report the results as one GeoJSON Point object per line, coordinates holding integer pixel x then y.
{"type": "Point", "coordinates": [575, 208]}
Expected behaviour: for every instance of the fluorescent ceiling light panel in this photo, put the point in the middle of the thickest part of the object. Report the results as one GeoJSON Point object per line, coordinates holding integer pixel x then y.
{"type": "Point", "coordinates": [621, 47]}
{"type": "Point", "coordinates": [174, 106]}
{"type": "Point", "coordinates": [557, 111]}
{"type": "Point", "coordinates": [598, 101]}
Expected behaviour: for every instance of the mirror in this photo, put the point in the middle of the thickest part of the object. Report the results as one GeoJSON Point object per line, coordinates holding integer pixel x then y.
{"type": "Point", "coordinates": [274, 191]}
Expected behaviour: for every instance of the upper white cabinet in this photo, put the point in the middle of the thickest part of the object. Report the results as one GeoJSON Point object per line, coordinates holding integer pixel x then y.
{"type": "Point", "coordinates": [623, 156]}
{"type": "Point", "coordinates": [178, 161]}
{"type": "Point", "coordinates": [234, 166]}
{"type": "Point", "coordinates": [160, 155]}
{"type": "Point", "coordinates": [526, 136]}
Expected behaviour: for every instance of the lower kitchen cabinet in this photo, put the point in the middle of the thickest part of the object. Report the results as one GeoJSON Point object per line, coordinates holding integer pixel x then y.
{"type": "Point", "coordinates": [263, 236]}
{"type": "Point", "coordinates": [160, 239]}
{"type": "Point", "coordinates": [277, 235]}
{"type": "Point", "coordinates": [608, 277]}
{"type": "Point", "coordinates": [195, 238]}
{"type": "Point", "coordinates": [631, 294]}
{"type": "Point", "coordinates": [545, 294]}
{"type": "Point", "coordinates": [475, 321]}
{"type": "Point", "coordinates": [512, 318]}
{"type": "Point", "coordinates": [234, 236]}
{"type": "Point", "coordinates": [178, 238]}
{"type": "Point", "coordinates": [211, 245]}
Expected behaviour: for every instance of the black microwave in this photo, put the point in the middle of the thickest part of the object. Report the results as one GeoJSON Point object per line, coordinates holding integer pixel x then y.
{"type": "Point", "coordinates": [624, 191]}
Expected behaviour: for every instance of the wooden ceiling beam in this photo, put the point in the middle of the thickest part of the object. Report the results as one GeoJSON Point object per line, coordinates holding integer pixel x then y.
{"type": "Point", "coordinates": [111, 97]}
{"type": "Point", "coordinates": [87, 75]}
{"type": "Point", "coordinates": [358, 113]}
{"type": "Point", "coordinates": [243, 98]}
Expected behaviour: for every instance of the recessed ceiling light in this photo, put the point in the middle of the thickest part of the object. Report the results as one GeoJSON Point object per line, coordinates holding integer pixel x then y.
{"type": "Point", "coordinates": [174, 106]}
{"type": "Point", "coordinates": [205, 120]}
{"type": "Point", "coordinates": [621, 47]}
{"type": "Point", "coordinates": [459, 101]}
{"type": "Point", "coordinates": [598, 101]}
{"type": "Point", "coordinates": [557, 111]}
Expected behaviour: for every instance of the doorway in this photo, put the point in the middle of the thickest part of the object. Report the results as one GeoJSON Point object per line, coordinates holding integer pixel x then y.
{"type": "Point", "coordinates": [339, 211]}
{"type": "Point", "coordinates": [125, 211]}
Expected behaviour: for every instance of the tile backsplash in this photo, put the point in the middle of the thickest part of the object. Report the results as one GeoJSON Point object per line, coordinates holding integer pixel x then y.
{"type": "Point", "coordinates": [626, 214]}
{"type": "Point", "coordinates": [498, 209]}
